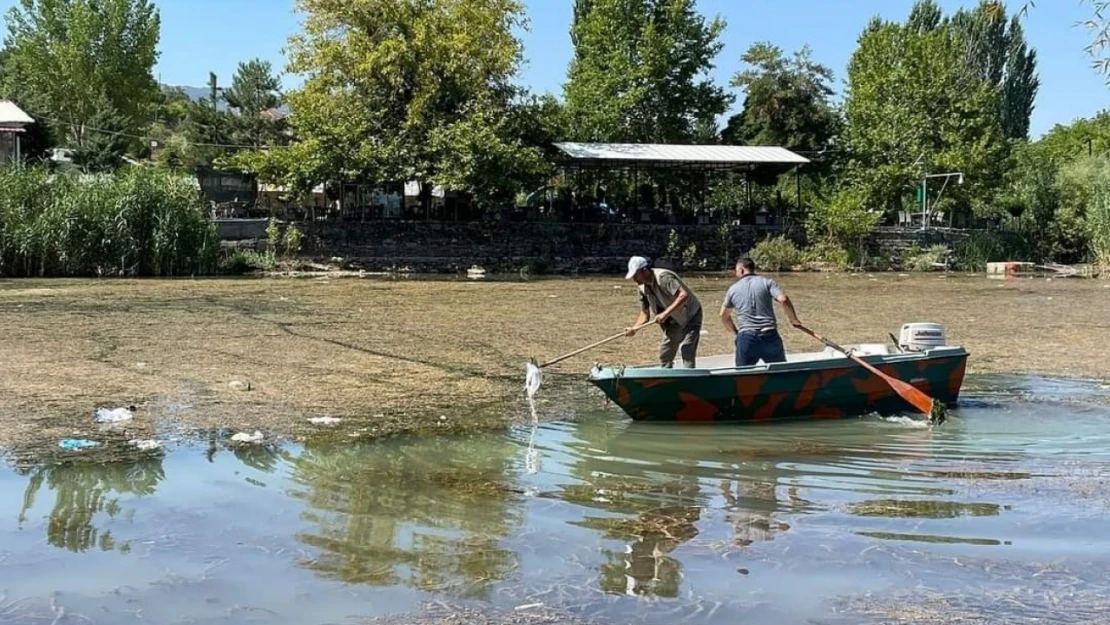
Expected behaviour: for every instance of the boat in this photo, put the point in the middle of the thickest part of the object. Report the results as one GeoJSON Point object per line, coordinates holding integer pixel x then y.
{"type": "Point", "coordinates": [812, 385]}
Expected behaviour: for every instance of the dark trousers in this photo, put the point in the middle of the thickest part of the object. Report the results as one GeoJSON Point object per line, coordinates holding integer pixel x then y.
{"type": "Point", "coordinates": [752, 345]}
{"type": "Point", "coordinates": [681, 340]}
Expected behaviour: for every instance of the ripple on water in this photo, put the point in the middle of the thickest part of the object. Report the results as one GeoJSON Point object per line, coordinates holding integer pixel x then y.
{"type": "Point", "coordinates": [593, 517]}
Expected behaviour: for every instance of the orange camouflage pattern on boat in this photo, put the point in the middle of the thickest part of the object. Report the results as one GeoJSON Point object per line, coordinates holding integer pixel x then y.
{"type": "Point", "coordinates": [832, 392]}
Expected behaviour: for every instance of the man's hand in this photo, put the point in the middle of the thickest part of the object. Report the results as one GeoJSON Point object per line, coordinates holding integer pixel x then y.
{"type": "Point", "coordinates": [662, 318]}
{"type": "Point", "coordinates": [629, 332]}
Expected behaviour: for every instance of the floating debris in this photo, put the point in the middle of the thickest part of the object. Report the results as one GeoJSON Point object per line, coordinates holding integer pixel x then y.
{"type": "Point", "coordinates": [118, 415]}
{"type": "Point", "coordinates": [324, 420]}
{"type": "Point", "coordinates": [243, 437]}
{"type": "Point", "coordinates": [145, 445]}
{"type": "Point", "coordinates": [77, 444]}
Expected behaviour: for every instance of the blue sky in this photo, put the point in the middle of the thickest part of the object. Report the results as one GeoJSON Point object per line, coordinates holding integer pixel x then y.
{"type": "Point", "coordinates": [199, 36]}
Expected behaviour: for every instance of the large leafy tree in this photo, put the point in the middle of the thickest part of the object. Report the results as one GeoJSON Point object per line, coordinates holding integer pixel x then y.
{"type": "Point", "coordinates": [997, 52]}
{"type": "Point", "coordinates": [640, 71]}
{"type": "Point", "coordinates": [394, 90]}
{"type": "Point", "coordinates": [786, 101]}
{"type": "Point", "coordinates": [72, 56]}
{"type": "Point", "coordinates": [915, 106]}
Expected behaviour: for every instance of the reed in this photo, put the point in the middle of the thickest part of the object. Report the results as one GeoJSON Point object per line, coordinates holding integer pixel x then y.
{"type": "Point", "coordinates": [139, 222]}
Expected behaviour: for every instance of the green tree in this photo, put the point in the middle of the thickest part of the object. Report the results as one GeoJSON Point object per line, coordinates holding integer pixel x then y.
{"type": "Point", "coordinates": [640, 71]}
{"type": "Point", "coordinates": [73, 55]}
{"type": "Point", "coordinates": [999, 55]}
{"type": "Point", "coordinates": [786, 101]}
{"type": "Point", "coordinates": [914, 107]}
{"type": "Point", "coordinates": [388, 80]}
{"type": "Point", "coordinates": [104, 150]}
{"type": "Point", "coordinates": [254, 93]}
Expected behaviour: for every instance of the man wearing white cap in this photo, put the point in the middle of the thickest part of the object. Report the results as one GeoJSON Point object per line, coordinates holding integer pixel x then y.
{"type": "Point", "coordinates": [677, 310]}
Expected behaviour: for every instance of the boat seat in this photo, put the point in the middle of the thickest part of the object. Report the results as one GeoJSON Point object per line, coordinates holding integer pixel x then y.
{"type": "Point", "coordinates": [726, 361]}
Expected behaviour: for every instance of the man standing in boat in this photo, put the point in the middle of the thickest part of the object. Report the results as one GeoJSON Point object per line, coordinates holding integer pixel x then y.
{"type": "Point", "coordinates": [677, 310]}
{"type": "Point", "coordinates": [756, 332]}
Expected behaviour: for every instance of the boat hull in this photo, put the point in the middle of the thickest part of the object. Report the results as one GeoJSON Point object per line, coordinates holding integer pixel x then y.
{"type": "Point", "coordinates": [821, 389]}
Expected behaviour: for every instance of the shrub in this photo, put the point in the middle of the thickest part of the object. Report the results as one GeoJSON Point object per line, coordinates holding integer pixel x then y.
{"type": "Point", "coordinates": [917, 259]}
{"type": "Point", "coordinates": [776, 254]}
{"type": "Point", "coordinates": [827, 254]}
{"type": "Point", "coordinates": [241, 262]}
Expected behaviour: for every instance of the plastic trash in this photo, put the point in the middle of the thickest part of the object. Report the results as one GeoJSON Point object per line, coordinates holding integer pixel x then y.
{"type": "Point", "coordinates": [533, 378]}
{"type": "Point", "coordinates": [324, 420]}
{"type": "Point", "coordinates": [118, 415]}
{"type": "Point", "coordinates": [76, 444]}
{"type": "Point", "coordinates": [145, 445]}
{"type": "Point", "coordinates": [243, 437]}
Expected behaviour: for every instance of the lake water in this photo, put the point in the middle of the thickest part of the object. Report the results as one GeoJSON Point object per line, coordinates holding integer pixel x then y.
{"type": "Point", "coordinates": [608, 520]}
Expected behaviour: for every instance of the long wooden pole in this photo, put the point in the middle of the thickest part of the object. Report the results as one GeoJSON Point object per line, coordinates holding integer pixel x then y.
{"type": "Point", "coordinates": [593, 345]}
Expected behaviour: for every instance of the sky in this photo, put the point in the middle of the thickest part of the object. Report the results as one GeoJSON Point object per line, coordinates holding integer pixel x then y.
{"type": "Point", "coordinates": [199, 36]}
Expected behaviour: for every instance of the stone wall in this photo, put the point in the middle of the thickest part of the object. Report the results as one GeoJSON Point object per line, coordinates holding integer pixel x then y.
{"type": "Point", "coordinates": [510, 247]}
{"type": "Point", "coordinates": [438, 247]}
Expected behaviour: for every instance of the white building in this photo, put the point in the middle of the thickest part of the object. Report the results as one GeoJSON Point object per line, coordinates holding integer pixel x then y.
{"type": "Point", "coordinates": [13, 123]}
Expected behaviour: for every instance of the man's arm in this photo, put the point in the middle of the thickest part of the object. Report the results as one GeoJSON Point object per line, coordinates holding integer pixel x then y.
{"type": "Point", "coordinates": [678, 302]}
{"type": "Point", "coordinates": [788, 306]}
{"type": "Point", "coordinates": [641, 319]}
{"type": "Point", "coordinates": [726, 318]}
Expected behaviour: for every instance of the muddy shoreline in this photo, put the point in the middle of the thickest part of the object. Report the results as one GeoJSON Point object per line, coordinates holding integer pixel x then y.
{"type": "Point", "coordinates": [386, 356]}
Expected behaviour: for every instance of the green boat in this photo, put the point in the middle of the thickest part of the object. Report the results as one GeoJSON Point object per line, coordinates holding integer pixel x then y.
{"type": "Point", "coordinates": [818, 385]}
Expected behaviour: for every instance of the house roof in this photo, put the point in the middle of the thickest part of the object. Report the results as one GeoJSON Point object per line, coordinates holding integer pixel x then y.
{"type": "Point", "coordinates": [652, 154]}
{"type": "Point", "coordinates": [12, 115]}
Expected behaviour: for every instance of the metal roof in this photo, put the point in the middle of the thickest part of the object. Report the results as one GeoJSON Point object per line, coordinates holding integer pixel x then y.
{"type": "Point", "coordinates": [12, 115]}
{"type": "Point", "coordinates": [718, 155]}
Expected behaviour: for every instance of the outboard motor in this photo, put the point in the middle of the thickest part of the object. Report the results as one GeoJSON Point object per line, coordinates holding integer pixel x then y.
{"type": "Point", "coordinates": [920, 337]}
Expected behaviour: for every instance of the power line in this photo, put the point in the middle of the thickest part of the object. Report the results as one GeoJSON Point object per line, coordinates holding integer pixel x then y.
{"type": "Point", "coordinates": [150, 138]}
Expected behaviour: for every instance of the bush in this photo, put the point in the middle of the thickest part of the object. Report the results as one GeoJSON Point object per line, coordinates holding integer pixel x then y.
{"type": "Point", "coordinates": [242, 262]}
{"type": "Point", "coordinates": [917, 259]}
{"type": "Point", "coordinates": [776, 254]}
{"type": "Point", "coordinates": [1098, 222]}
{"type": "Point", "coordinates": [827, 254]}
{"type": "Point", "coordinates": [984, 247]}
{"type": "Point", "coordinates": [141, 222]}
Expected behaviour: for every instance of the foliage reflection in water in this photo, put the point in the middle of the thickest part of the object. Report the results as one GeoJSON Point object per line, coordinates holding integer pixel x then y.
{"type": "Point", "coordinates": [597, 515]}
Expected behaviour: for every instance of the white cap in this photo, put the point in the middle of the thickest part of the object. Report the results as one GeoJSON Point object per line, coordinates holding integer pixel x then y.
{"type": "Point", "coordinates": [635, 264]}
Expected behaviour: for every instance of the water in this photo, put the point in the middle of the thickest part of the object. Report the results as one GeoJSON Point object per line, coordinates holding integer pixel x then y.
{"type": "Point", "coordinates": [603, 518]}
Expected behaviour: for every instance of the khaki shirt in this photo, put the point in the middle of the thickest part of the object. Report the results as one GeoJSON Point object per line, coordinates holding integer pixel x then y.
{"type": "Point", "coordinates": [659, 296]}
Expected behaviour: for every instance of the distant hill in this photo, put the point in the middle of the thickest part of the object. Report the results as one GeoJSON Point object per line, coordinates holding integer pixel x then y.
{"type": "Point", "coordinates": [199, 93]}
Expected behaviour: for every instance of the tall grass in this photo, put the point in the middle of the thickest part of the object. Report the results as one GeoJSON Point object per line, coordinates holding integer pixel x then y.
{"type": "Point", "coordinates": [140, 222]}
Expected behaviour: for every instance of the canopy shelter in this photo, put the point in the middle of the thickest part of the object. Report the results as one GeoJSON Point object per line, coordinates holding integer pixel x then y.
{"type": "Point", "coordinates": [655, 156]}
{"type": "Point", "coordinates": [13, 122]}
{"type": "Point", "coordinates": [699, 161]}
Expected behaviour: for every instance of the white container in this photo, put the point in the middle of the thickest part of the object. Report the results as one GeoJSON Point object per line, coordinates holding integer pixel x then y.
{"type": "Point", "coordinates": [919, 337]}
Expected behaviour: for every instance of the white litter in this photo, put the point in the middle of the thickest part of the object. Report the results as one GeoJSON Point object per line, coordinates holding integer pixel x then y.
{"type": "Point", "coordinates": [324, 420]}
{"type": "Point", "coordinates": [533, 378]}
{"type": "Point", "coordinates": [145, 445]}
{"type": "Point", "coordinates": [243, 437]}
{"type": "Point", "coordinates": [119, 415]}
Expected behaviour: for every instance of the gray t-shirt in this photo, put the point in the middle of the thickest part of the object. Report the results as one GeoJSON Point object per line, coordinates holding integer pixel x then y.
{"type": "Point", "coordinates": [753, 298]}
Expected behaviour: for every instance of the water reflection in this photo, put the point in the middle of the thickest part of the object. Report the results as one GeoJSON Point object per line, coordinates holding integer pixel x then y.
{"type": "Point", "coordinates": [82, 490]}
{"type": "Point", "coordinates": [424, 512]}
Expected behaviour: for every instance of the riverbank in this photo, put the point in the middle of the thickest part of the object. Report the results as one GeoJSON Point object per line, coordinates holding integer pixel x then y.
{"type": "Point", "coordinates": [387, 356]}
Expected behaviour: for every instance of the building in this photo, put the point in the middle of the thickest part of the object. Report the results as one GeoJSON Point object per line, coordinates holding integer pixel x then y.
{"type": "Point", "coordinates": [13, 123]}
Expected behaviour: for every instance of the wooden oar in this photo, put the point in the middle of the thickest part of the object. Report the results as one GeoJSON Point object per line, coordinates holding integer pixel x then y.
{"type": "Point", "coordinates": [593, 345]}
{"type": "Point", "coordinates": [913, 396]}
